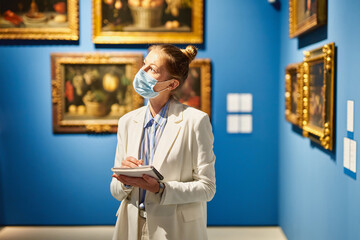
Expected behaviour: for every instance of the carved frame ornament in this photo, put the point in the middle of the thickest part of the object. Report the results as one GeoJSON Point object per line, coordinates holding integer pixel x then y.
{"type": "Point", "coordinates": [293, 93]}
{"type": "Point", "coordinates": [324, 134]}
{"type": "Point", "coordinates": [316, 95]}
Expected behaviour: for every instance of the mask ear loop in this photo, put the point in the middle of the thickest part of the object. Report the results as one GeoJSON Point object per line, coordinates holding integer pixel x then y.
{"type": "Point", "coordinates": [168, 88]}
{"type": "Point", "coordinates": [165, 89]}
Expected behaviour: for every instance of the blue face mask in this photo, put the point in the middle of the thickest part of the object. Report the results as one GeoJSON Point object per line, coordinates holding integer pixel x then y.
{"type": "Point", "coordinates": [144, 85]}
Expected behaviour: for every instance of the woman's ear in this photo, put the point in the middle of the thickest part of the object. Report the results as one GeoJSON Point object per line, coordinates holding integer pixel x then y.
{"type": "Point", "coordinates": [174, 84]}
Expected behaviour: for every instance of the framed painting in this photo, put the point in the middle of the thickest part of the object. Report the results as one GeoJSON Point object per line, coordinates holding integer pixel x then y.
{"type": "Point", "coordinates": [318, 92]}
{"type": "Point", "coordinates": [305, 15]}
{"type": "Point", "coordinates": [39, 19]}
{"type": "Point", "coordinates": [293, 93]}
{"type": "Point", "coordinates": [91, 91]}
{"type": "Point", "coordinates": [147, 21]}
{"type": "Point", "coordinates": [196, 90]}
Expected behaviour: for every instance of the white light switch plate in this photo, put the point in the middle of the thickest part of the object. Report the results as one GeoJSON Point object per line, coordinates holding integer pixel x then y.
{"type": "Point", "coordinates": [239, 123]}
{"type": "Point", "coordinates": [239, 102]}
{"type": "Point", "coordinates": [350, 116]}
{"type": "Point", "coordinates": [246, 102]}
{"type": "Point", "coordinates": [353, 156]}
{"type": "Point", "coordinates": [245, 123]}
{"type": "Point", "coordinates": [347, 153]}
{"type": "Point", "coordinates": [350, 154]}
{"type": "Point", "coordinates": [233, 102]}
{"type": "Point", "coordinates": [232, 123]}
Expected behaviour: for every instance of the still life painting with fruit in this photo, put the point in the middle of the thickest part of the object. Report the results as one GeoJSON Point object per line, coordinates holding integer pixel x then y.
{"type": "Point", "coordinates": [31, 13]}
{"type": "Point", "coordinates": [148, 15]}
{"type": "Point", "coordinates": [39, 19]}
{"type": "Point", "coordinates": [147, 21]}
{"type": "Point", "coordinates": [96, 91]}
{"type": "Point", "coordinates": [91, 91]}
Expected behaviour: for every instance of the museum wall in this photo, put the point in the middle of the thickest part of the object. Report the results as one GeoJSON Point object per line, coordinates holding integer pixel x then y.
{"type": "Point", "coordinates": [63, 179]}
{"type": "Point", "coordinates": [318, 199]}
{"type": "Point", "coordinates": [2, 158]}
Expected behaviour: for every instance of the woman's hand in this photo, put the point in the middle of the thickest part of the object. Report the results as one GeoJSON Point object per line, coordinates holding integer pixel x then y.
{"type": "Point", "coordinates": [145, 182]}
{"type": "Point", "coordinates": [131, 162]}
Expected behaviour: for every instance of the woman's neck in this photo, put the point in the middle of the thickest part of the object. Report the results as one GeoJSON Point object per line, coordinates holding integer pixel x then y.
{"type": "Point", "coordinates": [156, 104]}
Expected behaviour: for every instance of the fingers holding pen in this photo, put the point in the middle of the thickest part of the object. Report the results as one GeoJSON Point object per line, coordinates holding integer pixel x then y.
{"type": "Point", "coordinates": [131, 162]}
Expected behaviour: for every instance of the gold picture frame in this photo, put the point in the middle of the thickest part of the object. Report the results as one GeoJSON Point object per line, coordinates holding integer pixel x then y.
{"type": "Point", "coordinates": [305, 15]}
{"type": "Point", "coordinates": [37, 20]}
{"type": "Point", "coordinates": [318, 95]}
{"type": "Point", "coordinates": [196, 90]}
{"type": "Point", "coordinates": [293, 93]}
{"type": "Point", "coordinates": [91, 91]}
{"type": "Point", "coordinates": [122, 22]}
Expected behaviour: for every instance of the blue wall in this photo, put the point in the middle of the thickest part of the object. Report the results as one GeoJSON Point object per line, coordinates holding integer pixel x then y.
{"type": "Point", "coordinates": [2, 158]}
{"type": "Point", "coordinates": [317, 199]}
{"type": "Point", "coordinates": [50, 179]}
{"type": "Point", "coordinates": [243, 42]}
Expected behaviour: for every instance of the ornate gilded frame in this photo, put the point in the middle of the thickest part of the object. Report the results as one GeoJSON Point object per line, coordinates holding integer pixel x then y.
{"type": "Point", "coordinates": [132, 62]}
{"type": "Point", "coordinates": [294, 71]}
{"type": "Point", "coordinates": [317, 19]}
{"type": "Point", "coordinates": [148, 37]}
{"type": "Point", "coordinates": [323, 135]}
{"type": "Point", "coordinates": [205, 84]}
{"type": "Point", "coordinates": [70, 33]}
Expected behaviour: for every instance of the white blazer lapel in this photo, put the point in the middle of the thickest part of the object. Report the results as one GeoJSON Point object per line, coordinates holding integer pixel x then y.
{"type": "Point", "coordinates": [170, 133]}
{"type": "Point", "coordinates": [135, 132]}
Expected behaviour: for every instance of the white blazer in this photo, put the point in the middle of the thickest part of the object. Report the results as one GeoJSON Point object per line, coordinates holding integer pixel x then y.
{"type": "Point", "coordinates": [185, 157]}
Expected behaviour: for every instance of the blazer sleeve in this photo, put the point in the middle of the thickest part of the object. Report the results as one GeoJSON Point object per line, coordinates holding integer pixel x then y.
{"type": "Point", "coordinates": [203, 186]}
{"type": "Point", "coordinates": [117, 188]}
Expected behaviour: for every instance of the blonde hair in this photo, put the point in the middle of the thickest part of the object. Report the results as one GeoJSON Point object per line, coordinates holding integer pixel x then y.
{"type": "Point", "coordinates": [190, 51]}
{"type": "Point", "coordinates": [177, 60]}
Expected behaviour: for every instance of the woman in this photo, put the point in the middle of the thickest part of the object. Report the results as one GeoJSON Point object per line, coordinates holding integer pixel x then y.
{"type": "Point", "coordinates": [178, 141]}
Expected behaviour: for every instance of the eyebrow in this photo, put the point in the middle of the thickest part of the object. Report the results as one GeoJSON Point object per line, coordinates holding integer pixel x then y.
{"type": "Point", "coordinates": [155, 65]}
{"type": "Point", "coordinates": [152, 64]}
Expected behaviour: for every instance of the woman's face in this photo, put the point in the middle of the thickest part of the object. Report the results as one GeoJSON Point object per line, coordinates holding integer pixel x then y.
{"type": "Point", "coordinates": [155, 66]}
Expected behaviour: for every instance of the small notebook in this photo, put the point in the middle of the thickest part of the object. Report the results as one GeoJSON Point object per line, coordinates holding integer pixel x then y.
{"type": "Point", "coordinates": [138, 172]}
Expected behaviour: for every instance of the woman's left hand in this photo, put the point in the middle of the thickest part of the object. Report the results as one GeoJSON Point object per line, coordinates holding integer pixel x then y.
{"type": "Point", "coordinates": [145, 182]}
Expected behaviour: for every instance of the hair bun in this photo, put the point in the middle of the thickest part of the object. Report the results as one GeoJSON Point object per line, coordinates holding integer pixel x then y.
{"type": "Point", "coordinates": [190, 51]}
